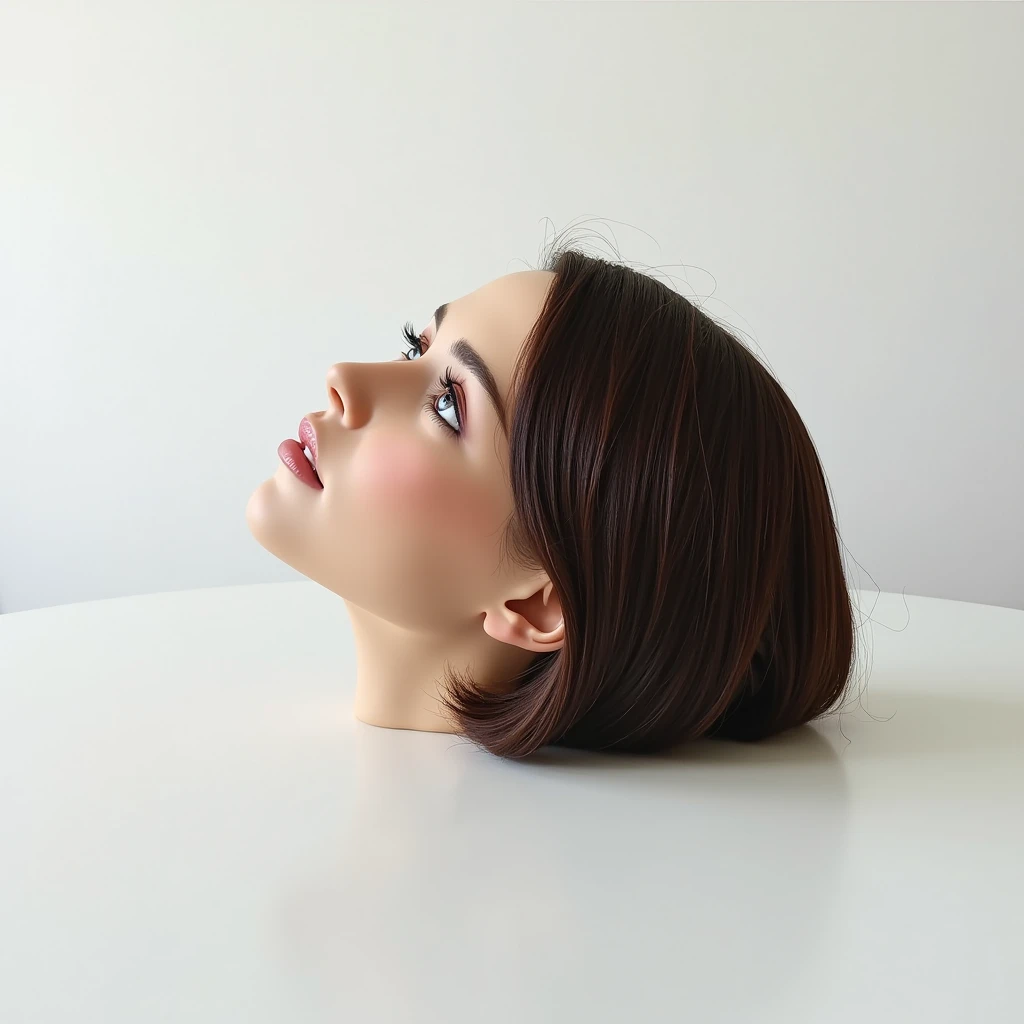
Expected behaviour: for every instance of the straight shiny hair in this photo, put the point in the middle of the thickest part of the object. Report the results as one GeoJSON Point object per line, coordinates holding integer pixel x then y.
{"type": "Point", "coordinates": [665, 482]}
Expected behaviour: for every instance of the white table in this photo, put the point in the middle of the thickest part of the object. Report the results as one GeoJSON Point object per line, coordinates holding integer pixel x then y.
{"type": "Point", "coordinates": [195, 829]}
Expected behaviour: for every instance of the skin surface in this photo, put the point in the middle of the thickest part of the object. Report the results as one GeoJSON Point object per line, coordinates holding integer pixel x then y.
{"type": "Point", "coordinates": [406, 529]}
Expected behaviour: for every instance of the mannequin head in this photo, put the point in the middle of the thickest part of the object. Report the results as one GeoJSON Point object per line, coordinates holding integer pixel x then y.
{"type": "Point", "coordinates": [571, 509]}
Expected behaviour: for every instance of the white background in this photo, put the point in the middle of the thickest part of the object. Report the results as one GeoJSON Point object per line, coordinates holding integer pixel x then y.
{"type": "Point", "coordinates": [204, 205]}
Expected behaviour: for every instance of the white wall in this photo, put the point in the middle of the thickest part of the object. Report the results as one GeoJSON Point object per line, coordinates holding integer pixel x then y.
{"type": "Point", "coordinates": [203, 205]}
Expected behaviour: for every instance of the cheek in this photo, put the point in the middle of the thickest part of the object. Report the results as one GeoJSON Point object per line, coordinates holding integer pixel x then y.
{"type": "Point", "coordinates": [413, 485]}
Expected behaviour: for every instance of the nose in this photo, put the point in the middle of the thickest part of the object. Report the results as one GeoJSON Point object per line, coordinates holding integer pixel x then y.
{"type": "Point", "coordinates": [356, 392]}
{"type": "Point", "coordinates": [338, 378]}
{"type": "Point", "coordinates": [345, 394]}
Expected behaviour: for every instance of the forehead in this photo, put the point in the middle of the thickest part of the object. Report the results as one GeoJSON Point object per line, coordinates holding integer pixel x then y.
{"type": "Point", "coordinates": [496, 318]}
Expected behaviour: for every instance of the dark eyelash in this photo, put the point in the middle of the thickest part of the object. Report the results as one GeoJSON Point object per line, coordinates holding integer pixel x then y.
{"type": "Point", "coordinates": [410, 334]}
{"type": "Point", "coordinates": [446, 384]}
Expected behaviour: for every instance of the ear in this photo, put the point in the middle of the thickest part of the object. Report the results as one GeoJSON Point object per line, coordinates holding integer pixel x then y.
{"type": "Point", "coordinates": [533, 622]}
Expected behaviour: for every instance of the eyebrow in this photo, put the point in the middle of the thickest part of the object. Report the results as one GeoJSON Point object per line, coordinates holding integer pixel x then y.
{"type": "Point", "coordinates": [464, 352]}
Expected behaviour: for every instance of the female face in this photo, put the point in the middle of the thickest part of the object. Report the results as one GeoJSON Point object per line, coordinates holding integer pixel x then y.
{"type": "Point", "coordinates": [415, 494]}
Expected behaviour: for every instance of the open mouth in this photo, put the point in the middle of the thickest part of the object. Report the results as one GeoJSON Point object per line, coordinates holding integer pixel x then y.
{"type": "Point", "coordinates": [299, 460]}
{"type": "Point", "coordinates": [312, 464]}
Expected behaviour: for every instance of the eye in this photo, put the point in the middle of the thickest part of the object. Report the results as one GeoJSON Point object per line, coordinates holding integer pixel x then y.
{"type": "Point", "coordinates": [443, 402]}
{"type": "Point", "coordinates": [411, 339]}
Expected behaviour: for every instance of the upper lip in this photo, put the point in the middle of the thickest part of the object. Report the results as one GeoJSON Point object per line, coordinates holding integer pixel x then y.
{"type": "Point", "coordinates": [307, 435]}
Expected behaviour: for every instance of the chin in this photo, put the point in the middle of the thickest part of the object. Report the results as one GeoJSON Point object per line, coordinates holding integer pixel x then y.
{"type": "Point", "coordinates": [256, 512]}
{"type": "Point", "coordinates": [268, 521]}
{"type": "Point", "coordinates": [273, 526]}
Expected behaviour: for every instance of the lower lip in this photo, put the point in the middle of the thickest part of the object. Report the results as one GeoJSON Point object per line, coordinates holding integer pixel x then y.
{"type": "Point", "coordinates": [291, 454]}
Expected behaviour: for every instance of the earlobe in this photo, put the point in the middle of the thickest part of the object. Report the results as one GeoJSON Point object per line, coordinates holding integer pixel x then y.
{"type": "Point", "coordinates": [534, 623]}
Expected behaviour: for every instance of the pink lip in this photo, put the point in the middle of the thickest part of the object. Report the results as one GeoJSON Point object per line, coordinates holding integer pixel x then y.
{"type": "Point", "coordinates": [307, 436]}
{"type": "Point", "coordinates": [291, 454]}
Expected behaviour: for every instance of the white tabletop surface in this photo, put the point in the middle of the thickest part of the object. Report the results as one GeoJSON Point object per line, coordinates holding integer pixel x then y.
{"type": "Point", "coordinates": [194, 828]}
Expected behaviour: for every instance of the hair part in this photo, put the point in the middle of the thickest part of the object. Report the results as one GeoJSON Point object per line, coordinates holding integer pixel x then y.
{"type": "Point", "coordinates": [665, 482]}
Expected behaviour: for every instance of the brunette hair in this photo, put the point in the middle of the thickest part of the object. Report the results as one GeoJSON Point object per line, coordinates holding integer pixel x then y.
{"type": "Point", "coordinates": [665, 482]}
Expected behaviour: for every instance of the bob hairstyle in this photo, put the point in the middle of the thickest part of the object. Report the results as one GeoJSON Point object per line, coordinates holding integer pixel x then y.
{"type": "Point", "coordinates": [665, 482]}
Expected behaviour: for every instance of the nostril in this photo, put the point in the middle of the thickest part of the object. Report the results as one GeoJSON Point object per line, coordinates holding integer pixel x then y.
{"type": "Point", "coordinates": [336, 400]}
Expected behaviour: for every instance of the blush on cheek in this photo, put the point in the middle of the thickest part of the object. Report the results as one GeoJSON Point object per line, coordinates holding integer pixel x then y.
{"type": "Point", "coordinates": [409, 482]}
